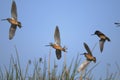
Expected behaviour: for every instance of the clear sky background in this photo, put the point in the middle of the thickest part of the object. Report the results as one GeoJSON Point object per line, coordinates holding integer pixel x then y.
{"type": "Point", "coordinates": [77, 20]}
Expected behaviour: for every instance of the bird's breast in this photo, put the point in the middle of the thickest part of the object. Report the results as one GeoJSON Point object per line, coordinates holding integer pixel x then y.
{"type": "Point", "coordinates": [102, 36]}
{"type": "Point", "coordinates": [57, 47]}
{"type": "Point", "coordinates": [12, 21]}
{"type": "Point", "coordinates": [88, 56]}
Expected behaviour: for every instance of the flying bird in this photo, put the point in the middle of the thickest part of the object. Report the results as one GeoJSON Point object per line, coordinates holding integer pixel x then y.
{"type": "Point", "coordinates": [102, 40]}
{"type": "Point", "coordinates": [57, 44]}
{"type": "Point", "coordinates": [89, 55]}
{"type": "Point", "coordinates": [13, 21]}
{"type": "Point", "coordinates": [118, 24]}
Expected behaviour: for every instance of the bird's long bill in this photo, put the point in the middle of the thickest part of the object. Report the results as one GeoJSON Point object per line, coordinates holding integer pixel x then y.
{"type": "Point", "coordinates": [92, 34]}
{"type": "Point", "coordinates": [82, 54]}
{"type": "Point", "coordinates": [50, 44]}
{"type": "Point", "coordinates": [3, 19]}
{"type": "Point", "coordinates": [47, 45]}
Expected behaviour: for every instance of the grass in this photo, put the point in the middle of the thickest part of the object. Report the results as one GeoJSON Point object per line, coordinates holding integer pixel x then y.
{"type": "Point", "coordinates": [42, 70]}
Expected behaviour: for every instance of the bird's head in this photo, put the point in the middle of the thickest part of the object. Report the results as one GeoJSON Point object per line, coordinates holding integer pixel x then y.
{"type": "Point", "coordinates": [96, 32]}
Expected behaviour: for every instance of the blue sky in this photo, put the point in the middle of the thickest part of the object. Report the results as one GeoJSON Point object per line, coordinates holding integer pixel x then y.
{"type": "Point", "coordinates": [77, 20]}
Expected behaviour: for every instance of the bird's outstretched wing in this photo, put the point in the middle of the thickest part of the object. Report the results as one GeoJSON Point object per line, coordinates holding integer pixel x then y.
{"type": "Point", "coordinates": [14, 10]}
{"type": "Point", "coordinates": [58, 54]}
{"type": "Point", "coordinates": [101, 42]}
{"type": "Point", "coordinates": [88, 49]}
{"type": "Point", "coordinates": [12, 31]}
{"type": "Point", "coordinates": [57, 36]}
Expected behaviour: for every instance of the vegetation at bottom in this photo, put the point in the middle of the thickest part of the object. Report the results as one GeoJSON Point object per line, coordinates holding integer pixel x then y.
{"type": "Point", "coordinates": [42, 71]}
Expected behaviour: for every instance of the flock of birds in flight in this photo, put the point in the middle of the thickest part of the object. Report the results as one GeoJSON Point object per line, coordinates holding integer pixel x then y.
{"type": "Point", "coordinates": [57, 44]}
